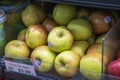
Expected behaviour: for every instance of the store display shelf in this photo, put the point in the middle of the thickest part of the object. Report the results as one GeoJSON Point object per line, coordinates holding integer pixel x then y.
{"type": "Point", "coordinates": [106, 4]}
{"type": "Point", "coordinates": [111, 37]}
{"type": "Point", "coordinates": [20, 76]}
{"type": "Point", "coordinates": [43, 76]}
{"type": "Point", "coordinates": [108, 50]}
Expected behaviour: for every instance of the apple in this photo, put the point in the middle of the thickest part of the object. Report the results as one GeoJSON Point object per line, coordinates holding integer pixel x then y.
{"type": "Point", "coordinates": [95, 48]}
{"type": "Point", "coordinates": [17, 49]}
{"type": "Point", "coordinates": [21, 35]}
{"type": "Point", "coordinates": [63, 13]}
{"type": "Point", "coordinates": [43, 58]}
{"type": "Point", "coordinates": [114, 68]}
{"type": "Point", "coordinates": [83, 13]}
{"type": "Point", "coordinates": [60, 39]}
{"type": "Point", "coordinates": [100, 39]}
{"type": "Point", "coordinates": [49, 24]}
{"type": "Point", "coordinates": [36, 36]}
{"type": "Point", "coordinates": [91, 65]}
{"type": "Point", "coordinates": [101, 21]}
{"type": "Point", "coordinates": [80, 47]}
{"type": "Point", "coordinates": [67, 63]}
{"type": "Point", "coordinates": [80, 28]}
{"type": "Point", "coordinates": [32, 15]}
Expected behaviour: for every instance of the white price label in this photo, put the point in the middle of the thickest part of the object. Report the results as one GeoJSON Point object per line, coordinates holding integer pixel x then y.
{"type": "Point", "coordinates": [20, 66]}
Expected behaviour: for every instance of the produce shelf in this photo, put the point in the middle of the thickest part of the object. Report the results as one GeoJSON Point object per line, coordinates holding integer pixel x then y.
{"type": "Point", "coordinates": [43, 76]}
{"type": "Point", "coordinates": [106, 4]}
{"type": "Point", "coordinates": [20, 76]}
{"type": "Point", "coordinates": [111, 37]}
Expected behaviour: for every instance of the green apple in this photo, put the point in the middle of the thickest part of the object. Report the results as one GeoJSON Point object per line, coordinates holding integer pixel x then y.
{"type": "Point", "coordinates": [91, 66]}
{"type": "Point", "coordinates": [67, 63]}
{"type": "Point", "coordinates": [32, 15]}
{"type": "Point", "coordinates": [80, 28]}
{"type": "Point", "coordinates": [100, 39]}
{"type": "Point", "coordinates": [21, 35]}
{"type": "Point", "coordinates": [43, 58]}
{"type": "Point", "coordinates": [80, 47]}
{"type": "Point", "coordinates": [63, 13]}
{"type": "Point", "coordinates": [17, 49]}
{"type": "Point", "coordinates": [60, 39]}
{"type": "Point", "coordinates": [36, 36]}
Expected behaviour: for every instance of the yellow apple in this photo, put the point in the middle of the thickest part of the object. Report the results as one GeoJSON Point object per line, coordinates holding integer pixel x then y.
{"type": "Point", "coordinates": [43, 58]}
{"type": "Point", "coordinates": [60, 39]}
{"type": "Point", "coordinates": [67, 63]}
{"type": "Point", "coordinates": [17, 49]}
{"type": "Point", "coordinates": [91, 65]}
{"type": "Point", "coordinates": [36, 36]}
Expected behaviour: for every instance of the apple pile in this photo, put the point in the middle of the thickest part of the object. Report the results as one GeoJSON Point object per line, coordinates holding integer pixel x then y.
{"type": "Point", "coordinates": [70, 41]}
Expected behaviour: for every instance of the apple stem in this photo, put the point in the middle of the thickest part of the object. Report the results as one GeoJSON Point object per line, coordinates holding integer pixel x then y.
{"type": "Point", "coordinates": [63, 64]}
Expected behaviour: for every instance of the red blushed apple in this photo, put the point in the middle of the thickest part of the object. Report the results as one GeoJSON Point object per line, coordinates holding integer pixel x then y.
{"type": "Point", "coordinates": [114, 68]}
